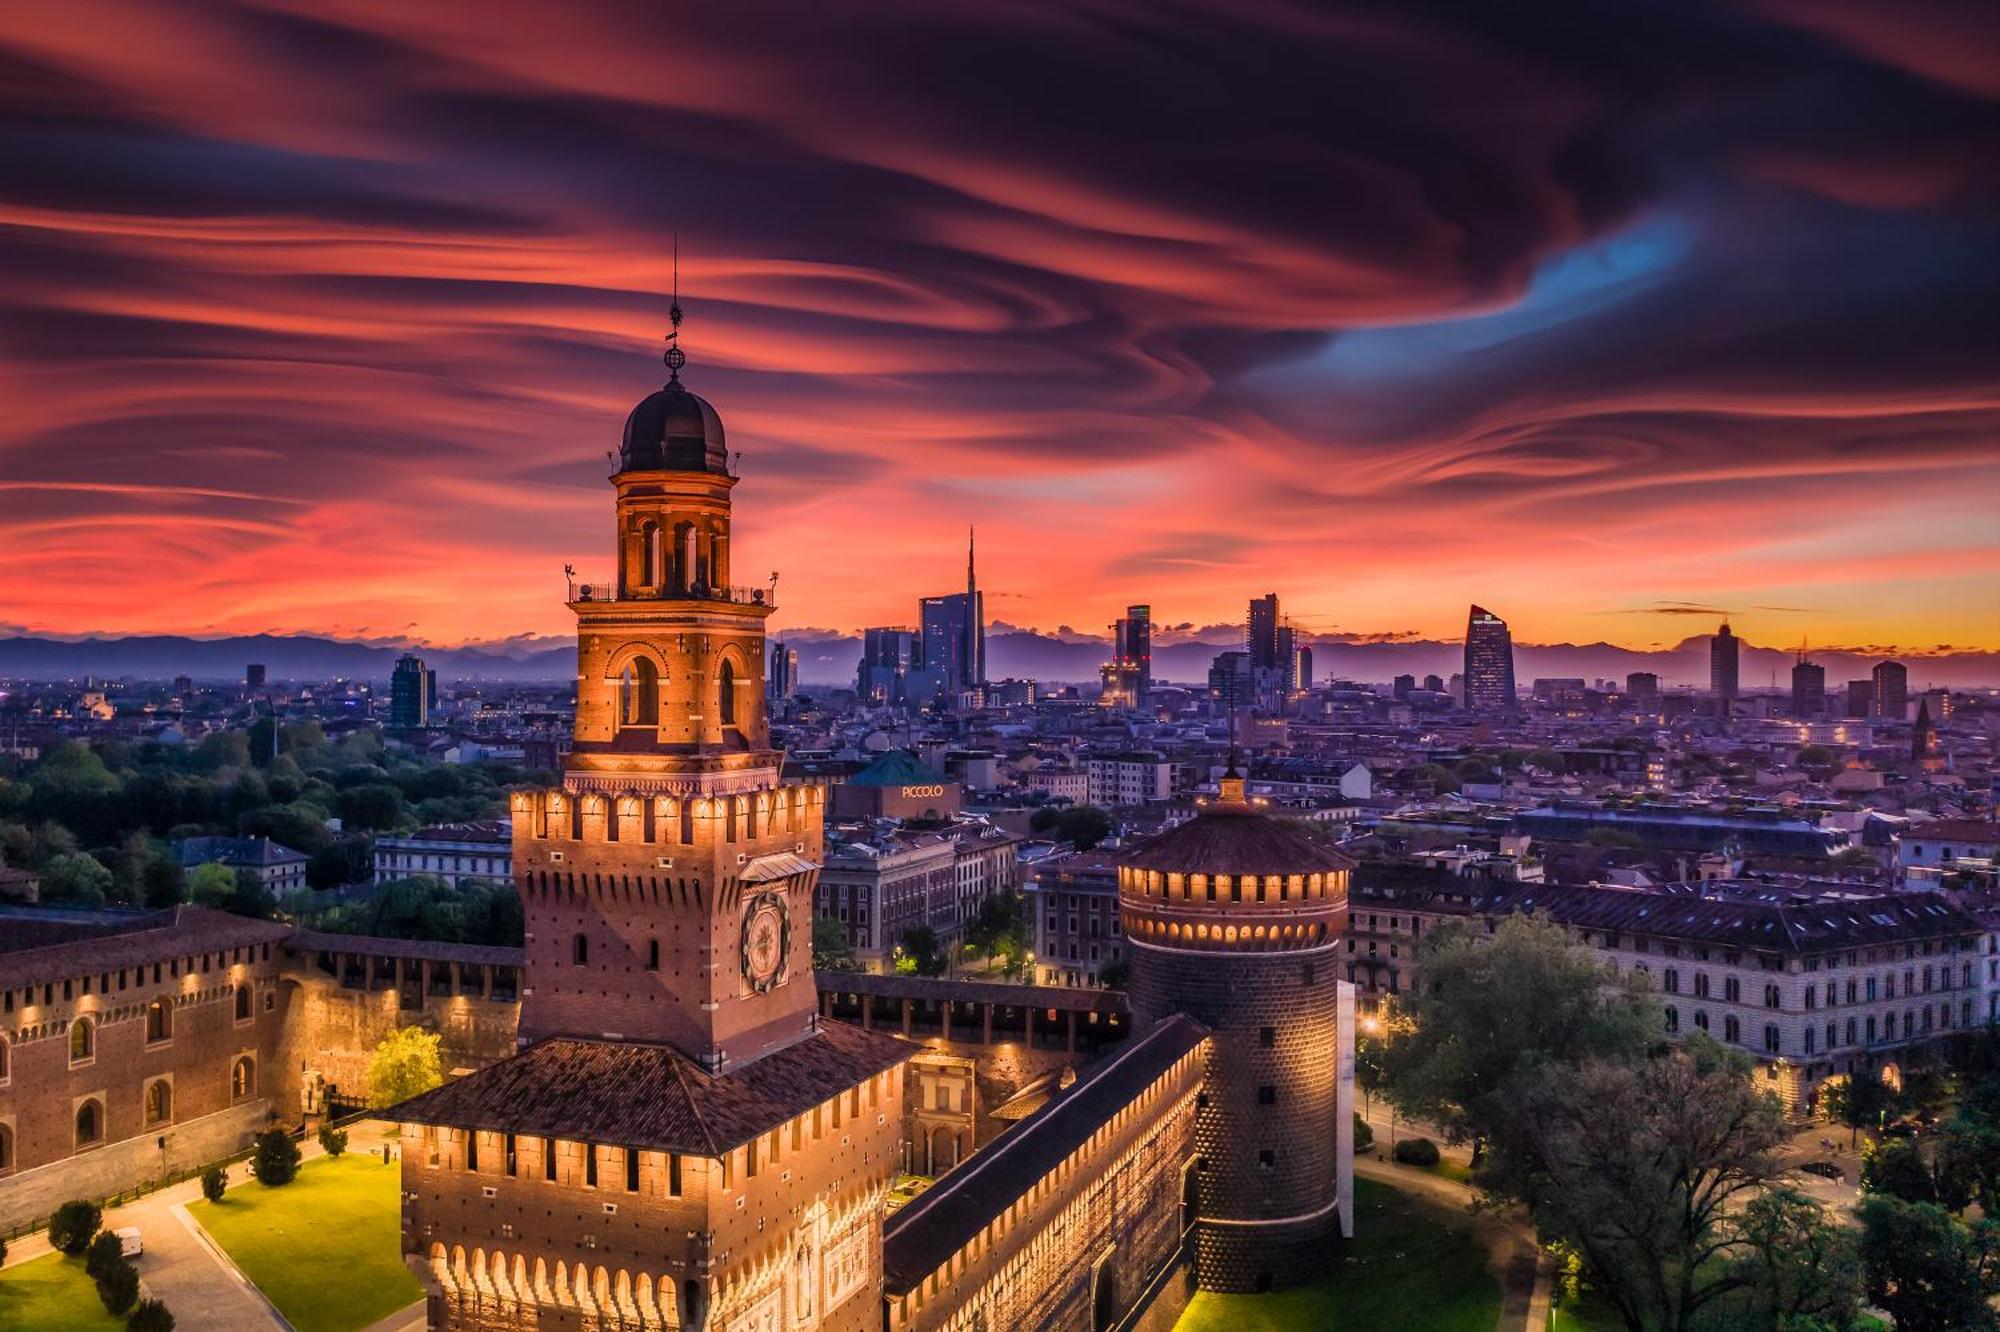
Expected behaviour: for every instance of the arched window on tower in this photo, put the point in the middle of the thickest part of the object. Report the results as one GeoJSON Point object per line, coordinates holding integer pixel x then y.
{"type": "Point", "coordinates": [640, 688]}
{"type": "Point", "coordinates": [682, 576]}
{"type": "Point", "coordinates": [242, 1079]}
{"type": "Point", "coordinates": [89, 1124]}
{"type": "Point", "coordinates": [726, 689]}
{"type": "Point", "coordinates": [649, 555]}
{"type": "Point", "coordinates": [82, 1040]}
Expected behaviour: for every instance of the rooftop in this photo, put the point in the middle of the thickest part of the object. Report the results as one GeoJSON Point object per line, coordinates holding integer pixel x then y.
{"type": "Point", "coordinates": [38, 947]}
{"type": "Point", "coordinates": [921, 1237]}
{"type": "Point", "coordinates": [1226, 838]}
{"type": "Point", "coordinates": [653, 1097]}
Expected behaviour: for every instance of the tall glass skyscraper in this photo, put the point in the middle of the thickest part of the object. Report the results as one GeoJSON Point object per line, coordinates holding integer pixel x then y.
{"type": "Point", "coordinates": [1489, 663]}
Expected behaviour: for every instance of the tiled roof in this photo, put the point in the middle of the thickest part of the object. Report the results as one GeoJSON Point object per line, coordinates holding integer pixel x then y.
{"type": "Point", "coordinates": [426, 950]}
{"type": "Point", "coordinates": [897, 767]}
{"type": "Point", "coordinates": [193, 851]}
{"type": "Point", "coordinates": [1785, 927]}
{"type": "Point", "coordinates": [1234, 839]}
{"type": "Point", "coordinates": [126, 940]}
{"type": "Point", "coordinates": [653, 1097]}
{"type": "Point", "coordinates": [1067, 998]}
{"type": "Point", "coordinates": [919, 1239]}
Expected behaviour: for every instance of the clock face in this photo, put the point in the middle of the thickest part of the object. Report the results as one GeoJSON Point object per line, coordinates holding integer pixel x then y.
{"type": "Point", "coordinates": [765, 941]}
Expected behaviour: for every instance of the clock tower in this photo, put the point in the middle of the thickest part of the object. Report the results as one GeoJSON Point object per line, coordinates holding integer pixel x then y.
{"type": "Point", "coordinates": [668, 883]}
{"type": "Point", "coordinates": [681, 1142]}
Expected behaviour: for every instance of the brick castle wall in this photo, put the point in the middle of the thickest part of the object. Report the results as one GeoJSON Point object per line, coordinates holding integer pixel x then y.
{"type": "Point", "coordinates": [1266, 1128]}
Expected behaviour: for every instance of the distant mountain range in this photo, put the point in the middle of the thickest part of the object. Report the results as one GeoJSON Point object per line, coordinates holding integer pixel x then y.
{"type": "Point", "coordinates": [829, 659]}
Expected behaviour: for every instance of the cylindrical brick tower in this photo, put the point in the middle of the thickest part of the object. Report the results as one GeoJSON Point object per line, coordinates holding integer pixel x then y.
{"type": "Point", "coordinates": [1233, 918]}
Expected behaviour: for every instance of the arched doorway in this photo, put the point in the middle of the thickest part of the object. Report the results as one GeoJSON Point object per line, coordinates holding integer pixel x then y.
{"type": "Point", "coordinates": [1103, 1294]}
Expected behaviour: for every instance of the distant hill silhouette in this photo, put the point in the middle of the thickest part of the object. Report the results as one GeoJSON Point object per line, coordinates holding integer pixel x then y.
{"type": "Point", "coordinates": [830, 659]}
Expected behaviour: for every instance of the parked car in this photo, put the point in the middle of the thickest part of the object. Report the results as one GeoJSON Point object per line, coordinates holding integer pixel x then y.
{"type": "Point", "coordinates": [1826, 1170]}
{"type": "Point", "coordinates": [129, 1242]}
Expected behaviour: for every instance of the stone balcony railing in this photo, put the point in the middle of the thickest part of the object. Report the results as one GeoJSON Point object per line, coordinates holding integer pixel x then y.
{"type": "Point", "coordinates": [607, 590]}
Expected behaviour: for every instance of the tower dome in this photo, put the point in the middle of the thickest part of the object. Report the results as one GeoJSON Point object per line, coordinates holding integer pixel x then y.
{"type": "Point", "coordinates": [674, 430]}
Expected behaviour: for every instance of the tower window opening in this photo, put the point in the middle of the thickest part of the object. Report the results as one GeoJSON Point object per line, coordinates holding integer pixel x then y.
{"type": "Point", "coordinates": [726, 694]}
{"type": "Point", "coordinates": [579, 951]}
{"type": "Point", "coordinates": [640, 686]}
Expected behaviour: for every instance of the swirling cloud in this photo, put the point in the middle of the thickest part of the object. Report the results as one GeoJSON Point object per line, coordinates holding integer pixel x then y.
{"type": "Point", "coordinates": [323, 316]}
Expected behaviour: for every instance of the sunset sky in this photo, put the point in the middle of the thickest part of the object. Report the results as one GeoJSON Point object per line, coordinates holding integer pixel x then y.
{"type": "Point", "coordinates": [320, 317]}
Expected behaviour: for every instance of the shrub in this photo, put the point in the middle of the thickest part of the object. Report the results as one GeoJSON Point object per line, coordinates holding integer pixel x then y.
{"type": "Point", "coordinates": [105, 1252]}
{"type": "Point", "coordinates": [1364, 1136]}
{"type": "Point", "coordinates": [119, 1288]}
{"type": "Point", "coordinates": [332, 1140]}
{"type": "Point", "coordinates": [74, 1225]}
{"type": "Point", "coordinates": [277, 1158]}
{"type": "Point", "coordinates": [150, 1316]}
{"type": "Point", "coordinates": [3, 1250]}
{"type": "Point", "coordinates": [214, 1181]}
{"type": "Point", "coordinates": [1417, 1152]}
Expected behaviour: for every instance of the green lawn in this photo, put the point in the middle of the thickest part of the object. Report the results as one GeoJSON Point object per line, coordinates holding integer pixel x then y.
{"type": "Point", "coordinates": [326, 1248]}
{"type": "Point", "coordinates": [1411, 1266]}
{"type": "Point", "coordinates": [52, 1294]}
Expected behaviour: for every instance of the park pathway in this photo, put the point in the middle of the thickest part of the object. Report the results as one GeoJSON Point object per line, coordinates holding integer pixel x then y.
{"type": "Point", "coordinates": [1517, 1262]}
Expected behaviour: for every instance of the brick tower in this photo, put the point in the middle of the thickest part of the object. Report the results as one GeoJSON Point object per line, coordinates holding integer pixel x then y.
{"type": "Point", "coordinates": [682, 1142]}
{"type": "Point", "coordinates": [1233, 918]}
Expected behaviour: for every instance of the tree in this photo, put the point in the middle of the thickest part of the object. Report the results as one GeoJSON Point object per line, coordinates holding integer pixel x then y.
{"type": "Point", "coordinates": [405, 1064]}
{"type": "Point", "coordinates": [104, 1253]}
{"type": "Point", "coordinates": [150, 1316]}
{"type": "Point", "coordinates": [75, 877]}
{"type": "Point", "coordinates": [1929, 1271]}
{"type": "Point", "coordinates": [212, 885]}
{"type": "Point", "coordinates": [214, 1183]}
{"type": "Point", "coordinates": [332, 1141]}
{"type": "Point", "coordinates": [1489, 1008]}
{"type": "Point", "coordinates": [74, 1225]}
{"type": "Point", "coordinates": [1548, 760]}
{"type": "Point", "coordinates": [165, 884]}
{"type": "Point", "coordinates": [118, 1287]}
{"type": "Point", "coordinates": [1967, 1163]}
{"type": "Point", "coordinates": [373, 805]}
{"type": "Point", "coordinates": [1082, 826]}
{"type": "Point", "coordinates": [1851, 860]}
{"type": "Point", "coordinates": [922, 949]}
{"type": "Point", "coordinates": [1364, 1134]}
{"type": "Point", "coordinates": [275, 1161]}
{"type": "Point", "coordinates": [1896, 1168]}
{"type": "Point", "coordinates": [831, 950]}
{"type": "Point", "coordinates": [1644, 1168]}
{"type": "Point", "coordinates": [1859, 1102]}
{"type": "Point", "coordinates": [1799, 1269]}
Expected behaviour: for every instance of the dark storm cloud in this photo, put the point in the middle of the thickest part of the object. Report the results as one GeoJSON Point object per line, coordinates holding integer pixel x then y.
{"type": "Point", "coordinates": [1390, 308]}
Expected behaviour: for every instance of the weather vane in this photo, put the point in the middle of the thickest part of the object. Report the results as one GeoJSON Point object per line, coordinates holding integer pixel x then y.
{"type": "Point", "coordinates": [675, 357]}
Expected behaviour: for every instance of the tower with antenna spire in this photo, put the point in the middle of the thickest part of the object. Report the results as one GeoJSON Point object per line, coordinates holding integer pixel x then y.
{"type": "Point", "coordinates": [951, 640]}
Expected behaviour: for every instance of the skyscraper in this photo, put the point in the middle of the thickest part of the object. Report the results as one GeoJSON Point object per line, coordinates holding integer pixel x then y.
{"type": "Point", "coordinates": [1724, 658]}
{"type": "Point", "coordinates": [1302, 667]}
{"type": "Point", "coordinates": [1402, 686]}
{"type": "Point", "coordinates": [412, 693]}
{"type": "Point", "coordinates": [952, 645]}
{"type": "Point", "coordinates": [1489, 663]}
{"type": "Point", "coordinates": [1642, 684]}
{"type": "Point", "coordinates": [1923, 736]}
{"type": "Point", "coordinates": [253, 675]}
{"type": "Point", "coordinates": [1892, 690]}
{"type": "Point", "coordinates": [1260, 639]}
{"type": "Point", "coordinates": [888, 656]}
{"type": "Point", "coordinates": [784, 678]}
{"type": "Point", "coordinates": [1808, 688]}
{"type": "Point", "coordinates": [1128, 676]}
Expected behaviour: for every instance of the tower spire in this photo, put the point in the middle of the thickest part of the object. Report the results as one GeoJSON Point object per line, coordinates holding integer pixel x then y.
{"type": "Point", "coordinates": [675, 357]}
{"type": "Point", "coordinates": [971, 584]}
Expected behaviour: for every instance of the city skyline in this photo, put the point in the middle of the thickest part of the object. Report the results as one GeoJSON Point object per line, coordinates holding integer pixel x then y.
{"type": "Point", "coordinates": [330, 340]}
